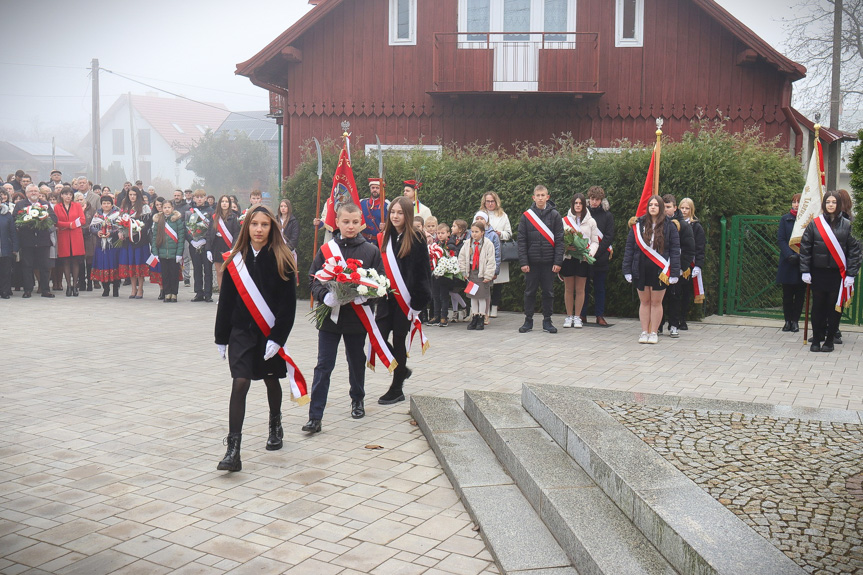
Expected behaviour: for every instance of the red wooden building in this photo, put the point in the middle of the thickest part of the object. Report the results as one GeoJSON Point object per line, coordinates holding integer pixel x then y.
{"type": "Point", "coordinates": [440, 71]}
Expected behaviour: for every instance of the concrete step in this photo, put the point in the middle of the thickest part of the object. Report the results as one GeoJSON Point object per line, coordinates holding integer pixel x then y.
{"type": "Point", "coordinates": [593, 532]}
{"type": "Point", "coordinates": [693, 531]}
{"type": "Point", "coordinates": [518, 540]}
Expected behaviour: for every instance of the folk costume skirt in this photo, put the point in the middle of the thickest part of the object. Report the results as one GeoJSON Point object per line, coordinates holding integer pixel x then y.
{"type": "Point", "coordinates": [246, 348]}
{"type": "Point", "coordinates": [106, 263]}
{"type": "Point", "coordinates": [133, 260]}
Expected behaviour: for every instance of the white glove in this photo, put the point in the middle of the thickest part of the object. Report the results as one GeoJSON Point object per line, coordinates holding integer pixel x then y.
{"type": "Point", "coordinates": [222, 350]}
{"type": "Point", "coordinates": [198, 243]}
{"type": "Point", "coordinates": [413, 314]}
{"type": "Point", "coordinates": [673, 281]}
{"type": "Point", "coordinates": [179, 259]}
{"type": "Point", "coordinates": [849, 282]}
{"type": "Point", "coordinates": [807, 278]}
{"type": "Point", "coordinates": [272, 349]}
{"type": "Point", "coordinates": [696, 271]}
{"type": "Point", "coordinates": [210, 256]}
{"type": "Point", "coordinates": [628, 278]}
{"type": "Point", "coordinates": [360, 299]}
{"type": "Point", "coordinates": [330, 300]}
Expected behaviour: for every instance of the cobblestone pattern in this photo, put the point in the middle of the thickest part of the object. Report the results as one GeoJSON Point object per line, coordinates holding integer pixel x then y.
{"type": "Point", "coordinates": [786, 478]}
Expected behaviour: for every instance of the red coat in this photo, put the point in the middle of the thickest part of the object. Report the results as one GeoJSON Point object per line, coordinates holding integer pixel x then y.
{"type": "Point", "coordinates": [70, 237]}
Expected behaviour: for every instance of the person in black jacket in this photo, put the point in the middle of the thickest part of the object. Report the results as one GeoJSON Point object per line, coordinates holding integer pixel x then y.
{"type": "Point", "coordinates": [687, 210]}
{"type": "Point", "coordinates": [34, 246]}
{"type": "Point", "coordinates": [250, 353]}
{"type": "Point", "coordinates": [217, 244]}
{"type": "Point", "coordinates": [202, 265]}
{"type": "Point", "coordinates": [8, 244]}
{"type": "Point", "coordinates": [412, 261]}
{"type": "Point", "coordinates": [788, 272]}
{"type": "Point", "coordinates": [820, 269]}
{"type": "Point", "coordinates": [540, 255]}
{"type": "Point", "coordinates": [673, 303]}
{"type": "Point", "coordinates": [659, 233]}
{"type": "Point", "coordinates": [351, 245]}
{"type": "Point", "coordinates": [597, 205]}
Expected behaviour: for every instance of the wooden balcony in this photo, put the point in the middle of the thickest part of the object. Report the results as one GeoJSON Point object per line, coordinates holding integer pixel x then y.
{"type": "Point", "coordinates": [506, 63]}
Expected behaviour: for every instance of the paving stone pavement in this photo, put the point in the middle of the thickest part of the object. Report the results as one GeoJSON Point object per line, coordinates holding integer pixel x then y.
{"type": "Point", "coordinates": [114, 411]}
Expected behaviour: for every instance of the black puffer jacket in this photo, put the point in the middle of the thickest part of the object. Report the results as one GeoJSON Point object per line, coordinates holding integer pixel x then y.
{"type": "Point", "coordinates": [416, 272]}
{"type": "Point", "coordinates": [671, 250]}
{"type": "Point", "coordinates": [352, 248]}
{"type": "Point", "coordinates": [814, 253]}
{"type": "Point", "coordinates": [687, 241]}
{"type": "Point", "coordinates": [533, 248]}
{"type": "Point", "coordinates": [700, 244]}
{"type": "Point", "coordinates": [605, 223]}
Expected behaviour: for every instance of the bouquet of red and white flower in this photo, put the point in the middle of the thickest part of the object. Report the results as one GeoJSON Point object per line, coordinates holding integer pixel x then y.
{"type": "Point", "coordinates": [197, 228]}
{"type": "Point", "coordinates": [35, 217]}
{"type": "Point", "coordinates": [348, 280]}
{"type": "Point", "coordinates": [129, 227]}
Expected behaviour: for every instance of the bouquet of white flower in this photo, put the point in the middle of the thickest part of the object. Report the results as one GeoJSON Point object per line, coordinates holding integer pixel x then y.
{"type": "Point", "coordinates": [447, 267]}
{"type": "Point", "coordinates": [35, 217]}
{"type": "Point", "coordinates": [347, 280]}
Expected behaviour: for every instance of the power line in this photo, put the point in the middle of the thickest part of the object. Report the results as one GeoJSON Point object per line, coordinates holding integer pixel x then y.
{"type": "Point", "coordinates": [187, 85]}
{"type": "Point", "coordinates": [43, 66]}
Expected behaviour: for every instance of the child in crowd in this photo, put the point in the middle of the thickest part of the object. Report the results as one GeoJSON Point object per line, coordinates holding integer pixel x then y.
{"type": "Point", "coordinates": [169, 233]}
{"type": "Point", "coordinates": [477, 264]}
{"type": "Point", "coordinates": [441, 286]}
{"type": "Point", "coordinates": [454, 244]}
{"type": "Point", "coordinates": [430, 227]}
{"type": "Point", "coordinates": [419, 224]}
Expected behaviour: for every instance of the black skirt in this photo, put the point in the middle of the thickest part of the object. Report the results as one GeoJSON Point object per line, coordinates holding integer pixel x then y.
{"type": "Point", "coordinates": [573, 268]}
{"type": "Point", "coordinates": [648, 275]}
{"type": "Point", "coordinates": [246, 349]}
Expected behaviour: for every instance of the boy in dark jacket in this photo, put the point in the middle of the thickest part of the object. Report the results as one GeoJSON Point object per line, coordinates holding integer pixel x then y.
{"type": "Point", "coordinates": [201, 264]}
{"type": "Point", "coordinates": [540, 254]}
{"type": "Point", "coordinates": [597, 205]}
{"type": "Point", "coordinates": [352, 246]}
{"type": "Point", "coordinates": [673, 304]}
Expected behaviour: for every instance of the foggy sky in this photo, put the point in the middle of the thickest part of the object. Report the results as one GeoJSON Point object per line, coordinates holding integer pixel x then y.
{"type": "Point", "coordinates": [190, 47]}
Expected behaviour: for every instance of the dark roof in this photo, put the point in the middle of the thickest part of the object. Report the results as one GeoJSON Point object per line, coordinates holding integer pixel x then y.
{"type": "Point", "coordinates": [827, 135]}
{"type": "Point", "coordinates": [258, 127]}
{"type": "Point", "coordinates": [733, 25]}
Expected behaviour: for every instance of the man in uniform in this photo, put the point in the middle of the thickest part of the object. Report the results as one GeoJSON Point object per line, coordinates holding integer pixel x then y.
{"type": "Point", "coordinates": [371, 208]}
{"type": "Point", "coordinates": [411, 189]}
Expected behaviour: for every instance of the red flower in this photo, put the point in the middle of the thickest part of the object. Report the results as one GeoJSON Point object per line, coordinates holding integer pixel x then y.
{"type": "Point", "coordinates": [338, 269]}
{"type": "Point", "coordinates": [342, 278]}
{"type": "Point", "coordinates": [355, 277]}
{"type": "Point", "coordinates": [354, 263]}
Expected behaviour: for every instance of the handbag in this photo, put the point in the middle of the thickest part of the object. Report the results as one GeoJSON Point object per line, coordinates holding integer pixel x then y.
{"type": "Point", "coordinates": [509, 251]}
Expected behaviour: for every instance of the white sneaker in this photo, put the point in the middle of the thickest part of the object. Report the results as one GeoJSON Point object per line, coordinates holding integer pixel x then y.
{"type": "Point", "coordinates": [673, 332]}
{"type": "Point", "coordinates": [652, 338]}
{"type": "Point", "coordinates": [493, 311]}
{"type": "Point", "coordinates": [567, 321]}
{"type": "Point", "coordinates": [643, 337]}
{"type": "Point", "coordinates": [576, 321]}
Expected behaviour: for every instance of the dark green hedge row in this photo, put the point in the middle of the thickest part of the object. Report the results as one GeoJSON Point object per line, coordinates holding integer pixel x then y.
{"type": "Point", "coordinates": [724, 173]}
{"type": "Point", "coordinates": [855, 164]}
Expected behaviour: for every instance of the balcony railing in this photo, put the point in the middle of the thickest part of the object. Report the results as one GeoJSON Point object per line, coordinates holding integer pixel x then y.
{"type": "Point", "coordinates": [562, 62]}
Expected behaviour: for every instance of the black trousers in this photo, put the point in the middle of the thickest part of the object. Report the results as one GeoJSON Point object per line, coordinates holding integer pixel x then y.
{"type": "Point", "coordinates": [170, 275]}
{"type": "Point", "coordinates": [793, 299]}
{"type": "Point", "coordinates": [397, 323]}
{"type": "Point", "coordinates": [825, 319]}
{"type": "Point", "coordinates": [328, 347]}
{"type": "Point", "coordinates": [440, 297]}
{"type": "Point", "coordinates": [35, 259]}
{"type": "Point", "coordinates": [6, 275]}
{"type": "Point", "coordinates": [497, 293]}
{"type": "Point", "coordinates": [540, 275]}
{"type": "Point", "coordinates": [203, 272]}
{"type": "Point", "coordinates": [672, 303]}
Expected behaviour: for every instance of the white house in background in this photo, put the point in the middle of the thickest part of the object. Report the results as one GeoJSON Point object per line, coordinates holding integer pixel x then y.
{"type": "Point", "coordinates": [146, 135]}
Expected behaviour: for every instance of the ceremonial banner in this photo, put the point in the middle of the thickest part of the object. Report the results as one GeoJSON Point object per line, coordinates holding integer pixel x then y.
{"type": "Point", "coordinates": [648, 189]}
{"type": "Point", "coordinates": [344, 191]}
{"type": "Point", "coordinates": [810, 199]}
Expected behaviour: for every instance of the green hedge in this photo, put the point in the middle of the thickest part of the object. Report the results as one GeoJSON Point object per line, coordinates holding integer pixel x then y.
{"type": "Point", "coordinates": [855, 164]}
{"type": "Point", "coordinates": [724, 173]}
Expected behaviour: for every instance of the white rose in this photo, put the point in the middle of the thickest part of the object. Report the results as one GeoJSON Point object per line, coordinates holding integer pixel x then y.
{"type": "Point", "coordinates": [27, 218]}
{"type": "Point", "coordinates": [362, 290]}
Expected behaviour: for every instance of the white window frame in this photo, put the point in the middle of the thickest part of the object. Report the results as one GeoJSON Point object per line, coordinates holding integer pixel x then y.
{"type": "Point", "coordinates": [537, 23]}
{"type": "Point", "coordinates": [619, 40]}
{"type": "Point", "coordinates": [411, 40]}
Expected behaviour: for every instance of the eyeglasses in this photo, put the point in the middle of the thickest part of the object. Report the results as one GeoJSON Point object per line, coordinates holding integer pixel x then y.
{"type": "Point", "coordinates": [490, 202]}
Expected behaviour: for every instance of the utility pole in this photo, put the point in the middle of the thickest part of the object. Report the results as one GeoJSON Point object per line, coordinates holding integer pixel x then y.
{"type": "Point", "coordinates": [835, 96]}
{"type": "Point", "coordinates": [96, 127]}
{"type": "Point", "coordinates": [132, 141]}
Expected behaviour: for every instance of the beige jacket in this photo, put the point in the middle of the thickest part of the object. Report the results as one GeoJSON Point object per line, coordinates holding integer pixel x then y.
{"type": "Point", "coordinates": [486, 259]}
{"type": "Point", "coordinates": [588, 230]}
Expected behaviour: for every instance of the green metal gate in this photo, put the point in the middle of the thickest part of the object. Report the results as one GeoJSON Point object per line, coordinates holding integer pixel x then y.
{"type": "Point", "coordinates": [750, 287]}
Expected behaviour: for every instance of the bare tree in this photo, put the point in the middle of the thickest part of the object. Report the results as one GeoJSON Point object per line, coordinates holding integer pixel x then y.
{"type": "Point", "coordinates": [810, 42]}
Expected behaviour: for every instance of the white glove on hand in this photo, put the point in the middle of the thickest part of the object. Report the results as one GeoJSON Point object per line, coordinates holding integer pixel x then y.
{"type": "Point", "coordinates": [628, 278]}
{"type": "Point", "coordinates": [272, 349]}
{"type": "Point", "coordinates": [413, 314]}
{"type": "Point", "coordinates": [179, 259]}
{"type": "Point", "coordinates": [673, 281]}
{"type": "Point", "coordinates": [198, 243]}
{"type": "Point", "coordinates": [331, 301]}
{"type": "Point", "coordinates": [210, 256]}
{"type": "Point", "coordinates": [222, 350]}
{"type": "Point", "coordinates": [696, 271]}
{"type": "Point", "coordinates": [360, 299]}
{"type": "Point", "coordinates": [807, 278]}
{"type": "Point", "coordinates": [849, 282]}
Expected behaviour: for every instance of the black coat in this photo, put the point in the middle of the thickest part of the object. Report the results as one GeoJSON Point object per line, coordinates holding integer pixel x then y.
{"type": "Point", "coordinates": [416, 272]}
{"type": "Point", "coordinates": [291, 233]}
{"type": "Point", "coordinates": [687, 241]}
{"type": "Point", "coordinates": [789, 262]}
{"type": "Point", "coordinates": [207, 211]}
{"type": "Point", "coordinates": [671, 250]}
{"type": "Point", "coordinates": [700, 244]}
{"type": "Point", "coordinates": [533, 248]}
{"type": "Point", "coordinates": [29, 238]}
{"type": "Point", "coordinates": [815, 255]}
{"type": "Point", "coordinates": [8, 235]}
{"type": "Point", "coordinates": [357, 248]}
{"type": "Point", "coordinates": [214, 244]}
{"type": "Point", "coordinates": [280, 295]}
{"type": "Point", "coordinates": [605, 223]}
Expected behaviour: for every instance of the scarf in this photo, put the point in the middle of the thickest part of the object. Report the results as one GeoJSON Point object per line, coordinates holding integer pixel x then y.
{"type": "Point", "coordinates": [475, 263]}
{"type": "Point", "coordinates": [794, 213]}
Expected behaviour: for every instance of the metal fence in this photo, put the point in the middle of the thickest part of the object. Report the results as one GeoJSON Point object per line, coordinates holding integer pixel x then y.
{"type": "Point", "coordinates": [748, 273]}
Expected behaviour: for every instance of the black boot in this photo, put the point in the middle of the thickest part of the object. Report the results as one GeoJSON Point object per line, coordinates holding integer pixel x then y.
{"type": "Point", "coordinates": [472, 325]}
{"type": "Point", "coordinates": [90, 285]}
{"type": "Point", "coordinates": [794, 327]}
{"type": "Point", "coordinates": [395, 394]}
{"type": "Point", "coordinates": [787, 326]}
{"type": "Point", "coordinates": [231, 461]}
{"type": "Point", "coordinates": [106, 290]}
{"type": "Point", "coordinates": [480, 322]}
{"type": "Point", "coordinates": [117, 288]}
{"type": "Point", "coordinates": [828, 344]}
{"type": "Point", "coordinates": [274, 441]}
{"type": "Point", "coordinates": [161, 294]}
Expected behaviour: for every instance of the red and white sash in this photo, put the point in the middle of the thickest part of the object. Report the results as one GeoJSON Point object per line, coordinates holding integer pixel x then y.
{"type": "Point", "coordinates": [698, 286]}
{"type": "Point", "coordinates": [265, 319]}
{"type": "Point", "coordinates": [401, 293]}
{"type": "Point", "coordinates": [600, 235]}
{"type": "Point", "coordinates": [171, 233]}
{"type": "Point", "coordinates": [540, 226]}
{"type": "Point", "coordinates": [377, 344]}
{"type": "Point", "coordinates": [202, 217]}
{"type": "Point", "coordinates": [845, 293]}
{"type": "Point", "coordinates": [655, 256]}
{"type": "Point", "coordinates": [226, 235]}
{"type": "Point", "coordinates": [153, 260]}
{"type": "Point", "coordinates": [471, 288]}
